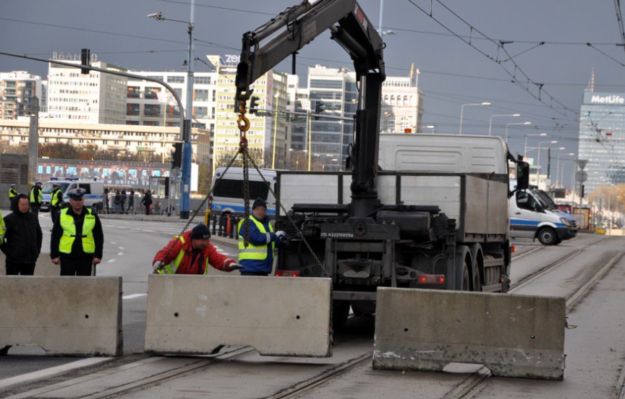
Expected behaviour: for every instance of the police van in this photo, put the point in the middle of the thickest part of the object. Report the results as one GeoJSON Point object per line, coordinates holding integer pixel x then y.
{"type": "Point", "coordinates": [94, 192]}
{"type": "Point", "coordinates": [533, 214]}
{"type": "Point", "coordinates": [228, 191]}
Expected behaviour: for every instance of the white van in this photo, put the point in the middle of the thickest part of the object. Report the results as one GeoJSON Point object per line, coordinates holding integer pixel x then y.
{"type": "Point", "coordinates": [94, 192]}
{"type": "Point", "coordinates": [228, 191]}
{"type": "Point", "coordinates": [533, 214]}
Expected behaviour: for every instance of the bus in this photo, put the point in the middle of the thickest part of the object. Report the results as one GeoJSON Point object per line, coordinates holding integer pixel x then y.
{"type": "Point", "coordinates": [227, 194]}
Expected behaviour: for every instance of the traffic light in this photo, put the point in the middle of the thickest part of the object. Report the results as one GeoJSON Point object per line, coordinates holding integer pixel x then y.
{"type": "Point", "coordinates": [254, 105]}
{"type": "Point", "coordinates": [85, 59]}
{"type": "Point", "coordinates": [176, 156]}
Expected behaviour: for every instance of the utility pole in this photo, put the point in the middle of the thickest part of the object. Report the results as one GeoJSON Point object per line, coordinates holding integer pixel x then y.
{"type": "Point", "coordinates": [187, 149]}
{"type": "Point", "coordinates": [33, 140]}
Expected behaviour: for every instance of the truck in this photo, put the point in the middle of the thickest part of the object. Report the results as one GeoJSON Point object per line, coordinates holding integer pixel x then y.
{"type": "Point", "coordinates": [416, 211]}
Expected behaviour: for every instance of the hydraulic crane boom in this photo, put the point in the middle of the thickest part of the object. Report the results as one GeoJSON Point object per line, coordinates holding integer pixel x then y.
{"type": "Point", "coordinates": [297, 26]}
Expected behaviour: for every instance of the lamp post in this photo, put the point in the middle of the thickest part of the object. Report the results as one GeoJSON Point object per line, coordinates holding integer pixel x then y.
{"type": "Point", "coordinates": [559, 174]}
{"type": "Point", "coordinates": [526, 123]}
{"type": "Point", "coordinates": [538, 158]}
{"type": "Point", "coordinates": [490, 123]}
{"type": "Point", "coordinates": [530, 135]}
{"type": "Point", "coordinates": [433, 127]}
{"type": "Point", "coordinates": [187, 149]}
{"type": "Point", "coordinates": [381, 31]}
{"type": "Point", "coordinates": [482, 104]}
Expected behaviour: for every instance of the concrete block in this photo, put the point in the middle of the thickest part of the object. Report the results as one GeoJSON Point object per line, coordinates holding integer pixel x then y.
{"type": "Point", "coordinates": [62, 315]}
{"type": "Point", "coordinates": [512, 335]}
{"type": "Point", "coordinates": [275, 315]}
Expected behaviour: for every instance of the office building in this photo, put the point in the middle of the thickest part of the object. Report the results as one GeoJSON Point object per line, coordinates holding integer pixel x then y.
{"type": "Point", "coordinates": [19, 91]}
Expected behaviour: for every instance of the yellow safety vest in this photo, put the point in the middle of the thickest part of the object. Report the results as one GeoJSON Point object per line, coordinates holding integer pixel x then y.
{"type": "Point", "coordinates": [3, 228]}
{"type": "Point", "coordinates": [32, 198]}
{"type": "Point", "coordinates": [12, 193]}
{"type": "Point", "coordinates": [69, 232]}
{"type": "Point", "coordinates": [172, 267]}
{"type": "Point", "coordinates": [251, 251]}
{"type": "Point", "coordinates": [55, 200]}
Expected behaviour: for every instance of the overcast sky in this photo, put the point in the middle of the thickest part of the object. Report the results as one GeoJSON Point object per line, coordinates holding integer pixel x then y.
{"type": "Point", "coordinates": [452, 72]}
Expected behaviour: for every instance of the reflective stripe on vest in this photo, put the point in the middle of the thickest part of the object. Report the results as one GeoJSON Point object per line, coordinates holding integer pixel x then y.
{"type": "Point", "coordinates": [12, 193]}
{"type": "Point", "coordinates": [251, 251]}
{"type": "Point", "coordinates": [69, 232]}
{"type": "Point", "coordinates": [3, 228]}
{"type": "Point", "coordinates": [172, 267]}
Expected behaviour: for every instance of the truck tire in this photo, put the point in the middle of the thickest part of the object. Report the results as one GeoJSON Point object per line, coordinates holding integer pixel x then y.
{"type": "Point", "coordinates": [463, 265]}
{"type": "Point", "coordinates": [547, 236]}
{"type": "Point", "coordinates": [340, 311]}
{"type": "Point", "coordinates": [476, 260]}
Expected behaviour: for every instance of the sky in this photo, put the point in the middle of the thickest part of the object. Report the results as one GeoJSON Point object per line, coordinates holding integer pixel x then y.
{"type": "Point", "coordinates": [452, 72]}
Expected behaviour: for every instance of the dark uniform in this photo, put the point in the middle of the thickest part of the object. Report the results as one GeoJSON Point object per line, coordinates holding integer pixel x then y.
{"type": "Point", "coordinates": [22, 241]}
{"type": "Point", "coordinates": [77, 239]}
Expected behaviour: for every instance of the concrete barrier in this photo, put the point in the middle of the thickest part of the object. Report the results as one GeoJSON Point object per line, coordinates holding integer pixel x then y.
{"type": "Point", "coordinates": [512, 335]}
{"type": "Point", "coordinates": [62, 315]}
{"type": "Point", "coordinates": [275, 315]}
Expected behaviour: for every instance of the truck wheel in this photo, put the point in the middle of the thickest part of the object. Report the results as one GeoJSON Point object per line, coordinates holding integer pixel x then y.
{"type": "Point", "coordinates": [547, 236]}
{"type": "Point", "coordinates": [463, 266]}
{"type": "Point", "coordinates": [340, 311]}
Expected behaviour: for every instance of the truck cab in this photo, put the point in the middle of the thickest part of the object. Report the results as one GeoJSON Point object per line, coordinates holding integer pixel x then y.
{"type": "Point", "coordinates": [533, 214]}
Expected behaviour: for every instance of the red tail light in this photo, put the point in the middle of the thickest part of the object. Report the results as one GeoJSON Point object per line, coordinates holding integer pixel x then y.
{"type": "Point", "coordinates": [431, 279]}
{"type": "Point", "coordinates": [287, 273]}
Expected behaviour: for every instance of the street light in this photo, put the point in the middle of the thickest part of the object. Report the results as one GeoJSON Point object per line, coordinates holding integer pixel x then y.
{"type": "Point", "coordinates": [490, 123]}
{"type": "Point", "coordinates": [526, 123]}
{"type": "Point", "coordinates": [529, 135]}
{"type": "Point", "coordinates": [381, 31]}
{"type": "Point", "coordinates": [538, 158]}
{"type": "Point", "coordinates": [185, 182]}
{"type": "Point", "coordinates": [433, 127]}
{"type": "Point", "coordinates": [482, 104]}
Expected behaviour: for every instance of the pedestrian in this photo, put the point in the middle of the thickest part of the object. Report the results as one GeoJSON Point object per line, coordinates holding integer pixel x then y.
{"type": "Point", "coordinates": [147, 201]}
{"type": "Point", "coordinates": [56, 202]}
{"type": "Point", "coordinates": [131, 202]}
{"type": "Point", "coordinates": [77, 238]}
{"type": "Point", "coordinates": [117, 201]}
{"type": "Point", "coordinates": [22, 239]}
{"type": "Point", "coordinates": [192, 253]}
{"type": "Point", "coordinates": [35, 198]}
{"type": "Point", "coordinates": [12, 193]}
{"type": "Point", "coordinates": [122, 201]}
{"type": "Point", "coordinates": [256, 256]}
{"type": "Point", "coordinates": [106, 200]}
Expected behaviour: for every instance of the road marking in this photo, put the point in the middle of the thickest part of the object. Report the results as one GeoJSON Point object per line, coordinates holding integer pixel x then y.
{"type": "Point", "coordinates": [122, 248]}
{"type": "Point", "coordinates": [51, 371]}
{"type": "Point", "coordinates": [133, 296]}
{"type": "Point", "coordinates": [111, 260]}
{"type": "Point", "coordinates": [120, 254]}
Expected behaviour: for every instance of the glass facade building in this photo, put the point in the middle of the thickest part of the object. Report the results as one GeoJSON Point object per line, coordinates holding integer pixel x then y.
{"type": "Point", "coordinates": [602, 138]}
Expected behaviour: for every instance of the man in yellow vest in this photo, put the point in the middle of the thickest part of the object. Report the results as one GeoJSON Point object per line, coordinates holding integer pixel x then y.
{"type": "Point", "coordinates": [3, 229]}
{"type": "Point", "coordinates": [35, 198]}
{"type": "Point", "coordinates": [256, 256]}
{"type": "Point", "coordinates": [77, 238]}
{"type": "Point", "coordinates": [56, 202]}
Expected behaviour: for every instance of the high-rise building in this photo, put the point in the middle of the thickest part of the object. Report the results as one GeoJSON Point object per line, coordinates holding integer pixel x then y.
{"type": "Point", "coordinates": [333, 100]}
{"type": "Point", "coordinates": [85, 98]}
{"type": "Point", "coordinates": [18, 90]}
{"type": "Point", "coordinates": [402, 105]}
{"type": "Point", "coordinates": [602, 137]}
{"type": "Point", "coordinates": [267, 135]}
{"type": "Point", "coordinates": [149, 103]}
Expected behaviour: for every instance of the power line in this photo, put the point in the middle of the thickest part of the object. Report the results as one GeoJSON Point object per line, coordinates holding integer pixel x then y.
{"type": "Point", "coordinates": [619, 20]}
{"type": "Point", "coordinates": [532, 87]}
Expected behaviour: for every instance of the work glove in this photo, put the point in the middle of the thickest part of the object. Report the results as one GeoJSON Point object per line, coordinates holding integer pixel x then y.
{"type": "Point", "coordinates": [233, 267]}
{"type": "Point", "coordinates": [158, 265]}
{"type": "Point", "coordinates": [281, 234]}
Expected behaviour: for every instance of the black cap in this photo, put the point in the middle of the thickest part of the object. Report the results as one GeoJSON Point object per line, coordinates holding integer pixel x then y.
{"type": "Point", "coordinates": [259, 202]}
{"type": "Point", "coordinates": [200, 232]}
{"type": "Point", "coordinates": [76, 193]}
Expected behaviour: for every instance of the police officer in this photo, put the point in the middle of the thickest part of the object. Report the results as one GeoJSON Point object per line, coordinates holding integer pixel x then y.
{"type": "Point", "coordinates": [77, 238]}
{"type": "Point", "coordinates": [22, 239]}
{"type": "Point", "coordinates": [256, 258]}
{"type": "Point", "coordinates": [35, 198]}
{"type": "Point", "coordinates": [56, 202]}
{"type": "Point", "coordinates": [3, 229]}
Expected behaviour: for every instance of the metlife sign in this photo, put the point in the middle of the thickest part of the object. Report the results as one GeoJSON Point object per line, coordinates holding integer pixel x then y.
{"type": "Point", "coordinates": [594, 98]}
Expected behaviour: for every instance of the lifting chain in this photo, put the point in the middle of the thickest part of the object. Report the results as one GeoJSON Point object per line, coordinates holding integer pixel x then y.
{"type": "Point", "coordinates": [244, 125]}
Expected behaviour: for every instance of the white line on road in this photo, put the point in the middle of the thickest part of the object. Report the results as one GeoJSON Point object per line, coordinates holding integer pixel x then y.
{"type": "Point", "coordinates": [122, 248]}
{"type": "Point", "coordinates": [120, 254]}
{"type": "Point", "coordinates": [133, 296]}
{"type": "Point", "coordinates": [111, 260]}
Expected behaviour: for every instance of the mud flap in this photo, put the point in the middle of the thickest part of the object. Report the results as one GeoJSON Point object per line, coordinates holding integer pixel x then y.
{"type": "Point", "coordinates": [512, 335]}
{"type": "Point", "coordinates": [279, 316]}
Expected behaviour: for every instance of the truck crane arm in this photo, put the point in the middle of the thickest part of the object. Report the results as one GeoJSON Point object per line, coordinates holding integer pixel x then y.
{"type": "Point", "coordinates": [297, 26]}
